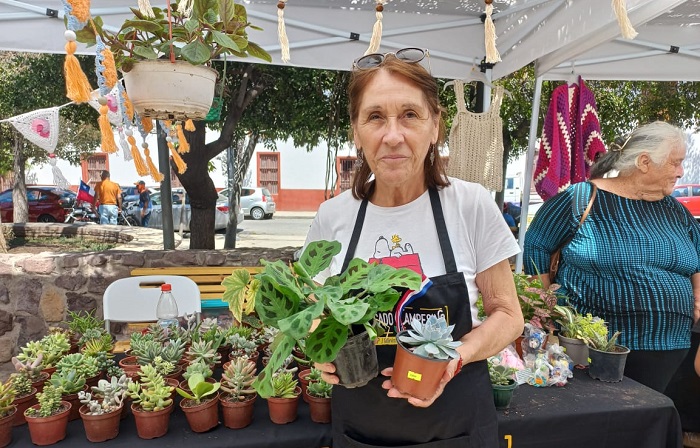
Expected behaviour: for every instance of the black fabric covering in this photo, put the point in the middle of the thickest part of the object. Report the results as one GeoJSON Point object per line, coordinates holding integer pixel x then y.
{"type": "Point", "coordinates": [585, 413]}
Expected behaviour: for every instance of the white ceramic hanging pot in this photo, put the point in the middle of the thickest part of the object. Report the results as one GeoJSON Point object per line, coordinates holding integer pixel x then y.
{"type": "Point", "coordinates": [164, 90]}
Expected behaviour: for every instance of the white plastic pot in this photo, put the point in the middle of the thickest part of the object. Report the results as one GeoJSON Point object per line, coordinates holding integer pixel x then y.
{"type": "Point", "coordinates": [164, 90]}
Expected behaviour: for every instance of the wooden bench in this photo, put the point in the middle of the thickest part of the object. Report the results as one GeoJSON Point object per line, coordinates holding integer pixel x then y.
{"type": "Point", "coordinates": [207, 278]}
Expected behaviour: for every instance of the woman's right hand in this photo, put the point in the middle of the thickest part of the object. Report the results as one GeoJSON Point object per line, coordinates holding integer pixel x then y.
{"type": "Point", "coordinates": [327, 372]}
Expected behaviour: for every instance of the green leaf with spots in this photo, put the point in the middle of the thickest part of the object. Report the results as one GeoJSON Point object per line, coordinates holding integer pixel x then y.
{"type": "Point", "coordinates": [348, 311]}
{"type": "Point", "coordinates": [328, 294]}
{"type": "Point", "coordinates": [384, 277]}
{"type": "Point", "coordinates": [318, 256]}
{"type": "Point", "coordinates": [355, 276]}
{"type": "Point", "coordinates": [272, 305]}
{"type": "Point", "coordinates": [298, 325]}
{"type": "Point", "coordinates": [279, 273]}
{"type": "Point", "coordinates": [240, 293]}
{"type": "Point", "coordinates": [263, 382]}
{"type": "Point", "coordinates": [385, 300]}
{"type": "Point", "coordinates": [324, 343]}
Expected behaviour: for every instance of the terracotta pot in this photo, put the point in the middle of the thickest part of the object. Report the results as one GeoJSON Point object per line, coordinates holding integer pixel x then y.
{"type": "Point", "coordinates": [6, 425]}
{"type": "Point", "coordinates": [130, 366]}
{"type": "Point", "coordinates": [283, 410]}
{"type": "Point", "coordinates": [48, 430]}
{"type": "Point", "coordinates": [304, 383]}
{"type": "Point", "coordinates": [319, 408]}
{"type": "Point", "coordinates": [416, 375]}
{"type": "Point", "coordinates": [151, 424]}
{"type": "Point", "coordinates": [99, 428]}
{"type": "Point", "coordinates": [93, 380]}
{"type": "Point", "coordinates": [75, 404]}
{"type": "Point", "coordinates": [237, 414]}
{"type": "Point", "coordinates": [39, 383]}
{"type": "Point", "coordinates": [22, 404]}
{"type": "Point", "coordinates": [204, 416]}
{"type": "Point", "coordinates": [172, 382]}
{"type": "Point", "coordinates": [175, 374]}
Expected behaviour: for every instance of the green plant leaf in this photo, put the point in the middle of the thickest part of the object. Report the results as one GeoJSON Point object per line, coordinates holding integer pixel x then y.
{"type": "Point", "coordinates": [191, 26]}
{"type": "Point", "coordinates": [348, 311]}
{"type": "Point", "coordinates": [196, 52]}
{"type": "Point", "coordinates": [283, 348]}
{"type": "Point", "coordinates": [227, 10]}
{"type": "Point", "coordinates": [145, 52]}
{"type": "Point", "coordinates": [239, 293]}
{"type": "Point", "coordinates": [298, 325]}
{"type": "Point", "coordinates": [147, 26]}
{"type": "Point", "coordinates": [201, 7]}
{"type": "Point", "coordinates": [185, 394]}
{"type": "Point", "coordinates": [324, 343]}
{"type": "Point", "coordinates": [318, 254]}
{"type": "Point", "coordinates": [223, 40]}
{"type": "Point", "coordinates": [355, 276]}
{"type": "Point", "coordinates": [273, 305]}
{"type": "Point", "coordinates": [383, 277]}
{"type": "Point", "coordinates": [385, 300]}
{"type": "Point", "coordinates": [256, 51]}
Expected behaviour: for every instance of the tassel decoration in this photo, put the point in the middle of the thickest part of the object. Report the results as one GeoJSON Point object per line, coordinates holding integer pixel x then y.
{"type": "Point", "coordinates": [492, 55]}
{"type": "Point", "coordinates": [108, 144]}
{"type": "Point", "coordinates": [183, 146]}
{"type": "Point", "coordinates": [155, 174]}
{"type": "Point", "coordinates": [146, 9]}
{"type": "Point", "coordinates": [147, 123]}
{"type": "Point", "coordinates": [184, 7]}
{"type": "Point", "coordinates": [376, 39]}
{"type": "Point", "coordinates": [189, 125]}
{"type": "Point", "coordinates": [179, 163]}
{"type": "Point", "coordinates": [141, 168]}
{"type": "Point", "coordinates": [106, 74]}
{"type": "Point", "coordinates": [626, 28]}
{"type": "Point", "coordinates": [126, 150]}
{"type": "Point", "coordinates": [125, 105]}
{"type": "Point", "coordinates": [58, 178]}
{"type": "Point", "coordinates": [282, 31]}
{"type": "Point", "coordinates": [77, 85]}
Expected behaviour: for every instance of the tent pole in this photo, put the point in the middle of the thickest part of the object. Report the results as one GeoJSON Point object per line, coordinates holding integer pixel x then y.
{"type": "Point", "coordinates": [527, 181]}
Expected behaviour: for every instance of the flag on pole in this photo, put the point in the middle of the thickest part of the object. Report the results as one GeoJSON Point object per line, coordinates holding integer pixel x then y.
{"type": "Point", "coordinates": [86, 193]}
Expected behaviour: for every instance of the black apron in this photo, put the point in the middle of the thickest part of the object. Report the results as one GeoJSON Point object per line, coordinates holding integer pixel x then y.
{"type": "Point", "coordinates": [463, 416]}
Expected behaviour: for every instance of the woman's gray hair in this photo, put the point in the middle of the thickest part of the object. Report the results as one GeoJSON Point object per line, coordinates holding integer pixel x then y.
{"type": "Point", "coordinates": [656, 139]}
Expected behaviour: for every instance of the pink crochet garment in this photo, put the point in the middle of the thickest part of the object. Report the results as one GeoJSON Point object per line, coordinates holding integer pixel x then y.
{"type": "Point", "coordinates": [571, 140]}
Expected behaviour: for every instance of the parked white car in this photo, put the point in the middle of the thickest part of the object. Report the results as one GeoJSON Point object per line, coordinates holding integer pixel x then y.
{"type": "Point", "coordinates": [257, 203]}
{"type": "Point", "coordinates": [220, 218]}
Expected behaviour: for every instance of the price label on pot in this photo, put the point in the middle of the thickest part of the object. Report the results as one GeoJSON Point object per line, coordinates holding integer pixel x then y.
{"type": "Point", "coordinates": [415, 376]}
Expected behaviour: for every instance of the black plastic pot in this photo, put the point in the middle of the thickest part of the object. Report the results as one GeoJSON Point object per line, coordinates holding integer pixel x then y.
{"type": "Point", "coordinates": [356, 363]}
{"type": "Point", "coordinates": [607, 366]}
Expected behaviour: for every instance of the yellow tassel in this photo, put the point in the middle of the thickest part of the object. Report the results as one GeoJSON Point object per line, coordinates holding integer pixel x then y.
{"type": "Point", "coordinates": [147, 124]}
{"type": "Point", "coordinates": [110, 69]}
{"type": "Point", "coordinates": [129, 106]}
{"type": "Point", "coordinates": [80, 9]}
{"type": "Point", "coordinates": [77, 85]}
{"type": "Point", "coordinates": [179, 163]}
{"type": "Point", "coordinates": [626, 28]}
{"type": "Point", "coordinates": [141, 168]}
{"type": "Point", "coordinates": [155, 174]}
{"type": "Point", "coordinates": [108, 144]}
{"type": "Point", "coordinates": [189, 125]}
{"type": "Point", "coordinates": [183, 146]}
{"type": "Point", "coordinates": [376, 39]}
{"type": "Point", "coordinates": [282, 31]}
{"type": "Point", "coordinates": [492, 55]}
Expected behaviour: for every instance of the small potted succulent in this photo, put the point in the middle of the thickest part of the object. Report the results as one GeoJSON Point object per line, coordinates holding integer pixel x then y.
{"type": "Point", "coordinates": [422, 355]}
{"type": "Point", "coordinates": [166, 49]}
{"type": "Point", "coordinates": [200, 403]}
{"type": "Point", "coordinates": [85, 366]}
{"type": "Point", "coordinates": [204, 352]}
{"type": "Point", "coordinates": [102, 408]}
{"type": "Point", "coordinates": [7, 411]}
{"type": "Point", "coordinates": [80, 322]}
{"type": "Point", "coordinates": [239, 395]}
{"type": "Point", "coordinates": [284, 402]}
{"type": "Point", "coordinates": [318, 395]}
{"type": "Point", "coordinates": [32, 369]}
{"type": "Point", "coordinates": [607, 359]}
{"type": "Point", "coordinates": [152, 403]}
{"type": "Point", "coordinates": [69, 382]}
{"type": "Point", "coordinates": [306, 377]}
{"type": "Point", "coordinates": [25, 396]}
{"type": "Point", "coordinates": [48, 420]}
{"type": "Point", "coordinates": [287, 298]}
{"type": "Point", "coordinates": [503, 383]}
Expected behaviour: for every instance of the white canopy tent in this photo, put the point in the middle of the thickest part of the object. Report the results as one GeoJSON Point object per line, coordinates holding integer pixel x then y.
{"type": "Point", "coordinates": [564, 37]}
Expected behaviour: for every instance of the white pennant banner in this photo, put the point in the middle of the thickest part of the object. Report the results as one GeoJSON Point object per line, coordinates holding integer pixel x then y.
{"type": "Point", "coordinates": [39, 127]}
{"type": "Point", "coordinates": [113, 112]}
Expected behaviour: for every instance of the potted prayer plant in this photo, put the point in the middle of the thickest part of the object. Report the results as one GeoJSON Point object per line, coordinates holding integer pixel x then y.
{"type": "Point", "coordinates": [503, 383]}
{"type": "Point", "coordinates": [7, 411]}
{"type": "Point", "coordinates": [48, 420]}
{"type": "Point", "coordinates": [201, 403]}
{"type": "Point", "coordinates": [607, 359]}
{"type": "Point", "coordinates": [286, 297]}
{"type": "Point", "coordinates": [422, 355]}
{"type": "Point", "coordinates": [239, 395]}
{"type": "Point", "coordinates": [166, 53]}
{"type": "Point", "coordinates": [318, 394]}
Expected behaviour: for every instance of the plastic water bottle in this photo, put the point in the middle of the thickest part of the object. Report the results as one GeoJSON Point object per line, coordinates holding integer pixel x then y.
{"type": "Point", "coordinates": [166, 310]}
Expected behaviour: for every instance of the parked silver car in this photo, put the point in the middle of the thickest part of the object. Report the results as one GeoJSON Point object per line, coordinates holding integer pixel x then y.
{"type": "Point", "coordinates": [257, 203]}
{"type": "Point", "coordinates": [220, 218]}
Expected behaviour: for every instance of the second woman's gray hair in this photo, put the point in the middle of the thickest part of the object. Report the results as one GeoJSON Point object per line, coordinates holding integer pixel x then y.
{"type": "Point", "coordinates": [656, 139]}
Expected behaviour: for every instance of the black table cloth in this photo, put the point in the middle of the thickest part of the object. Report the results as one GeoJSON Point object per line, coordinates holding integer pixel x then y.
{"type": "Point", "coordinates": [585, 413]}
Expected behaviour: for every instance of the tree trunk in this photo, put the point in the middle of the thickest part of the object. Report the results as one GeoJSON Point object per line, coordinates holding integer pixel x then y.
{"type": "Point", "coordinates": [234, 195]}
{"type": "Point", "coordinates": [20, 207]}
{"type": "Point", "coordinates": [3, 241]}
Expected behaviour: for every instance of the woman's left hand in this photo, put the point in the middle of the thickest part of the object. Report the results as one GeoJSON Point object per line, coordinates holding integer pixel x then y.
{"type": "Point", "coordinates": [417, 402]}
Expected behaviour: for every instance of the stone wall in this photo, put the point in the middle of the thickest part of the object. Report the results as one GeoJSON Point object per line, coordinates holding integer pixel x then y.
{"type": "Point", "coordinates": [37, 290]}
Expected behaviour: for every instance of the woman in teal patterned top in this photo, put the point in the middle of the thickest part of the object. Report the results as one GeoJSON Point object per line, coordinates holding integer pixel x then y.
{"type": "Point", "coordinates": [635, 261]}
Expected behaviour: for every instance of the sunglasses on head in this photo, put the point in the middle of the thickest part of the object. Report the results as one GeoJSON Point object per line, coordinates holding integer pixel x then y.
{"type": "Point", "coordinates": [410, 55]}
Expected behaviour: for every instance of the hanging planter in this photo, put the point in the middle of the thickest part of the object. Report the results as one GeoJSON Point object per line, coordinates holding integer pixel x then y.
{"type": "Point", "coordinates": [164, 90]}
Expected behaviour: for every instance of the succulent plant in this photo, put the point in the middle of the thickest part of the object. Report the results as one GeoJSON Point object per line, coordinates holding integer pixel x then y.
{"type": "Point", "coordinates": [84, 366]}
{"type": "Point", "coordinates": [237, 379]}
{"type": "Point", "coordinates": [199, 388]}
{"type": "Point", "coordinates": [203, 351]}
{"type": "Point", "coordinates": [209, 331]}
{"type": "Point", "coordinates": [173, 350]}
{"type": "Point", "coordinates": [31, 368]}
{"type": "Point", "coordinates": [22, 384]}
{"type": "Point", "coordinates": [240, 346]}
{"type": "Point", "coordinates": [320, 389]}
{"type": "Point", "coordinates": [150, 392]}
{"type": "Point", "coordinates": [69, 381]}
{"type": "Point", "coordinates": [284, 385]}
{"type": "Point", "coordinates": [107, 396]}
{"type": "Point", "coordinates": [432, 339]}
{"type": "Point", "coordinates": [114, 371]}
{"type": "Point", "coordinates": [7, 397]}
{"type": "Point", "coordinates": [163, 367]}
{"type": "Point", "coordinates": [314, 375]}
{"type": "Point", "coordinates": [54, 345]}
{"type": "Point", "coordinates": [500, 375]}
{"type": "Point", "coordinates": [49, 402]}
{"type": "Point", "coordinates": [198, 367]}
{"type": "Point", "coordinates": [95, 340]}
{"type": "Point", "coordinates": [82, 321]}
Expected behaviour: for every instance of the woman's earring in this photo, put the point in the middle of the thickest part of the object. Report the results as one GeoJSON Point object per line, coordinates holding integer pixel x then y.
{"type": "Point", "coordinates": [432, 155]}
{"type": "Point", "coordinates": [359, 161]}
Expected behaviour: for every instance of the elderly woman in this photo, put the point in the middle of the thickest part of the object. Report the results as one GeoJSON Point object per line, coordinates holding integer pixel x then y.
{"type": "Point", "coordinates": [635, 259]}
{"type": "Point", "coordinates": [403, 210]}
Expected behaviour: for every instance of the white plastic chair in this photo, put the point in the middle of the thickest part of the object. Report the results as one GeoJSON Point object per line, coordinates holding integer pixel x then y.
{"type": "Point", "coordinates": [134, 299]}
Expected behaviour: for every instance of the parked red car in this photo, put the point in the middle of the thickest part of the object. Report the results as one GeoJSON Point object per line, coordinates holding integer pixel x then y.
{"type": "Point", "coordinates": [46, 204]}
{"type": "Point", "coordinates": [689, 195]}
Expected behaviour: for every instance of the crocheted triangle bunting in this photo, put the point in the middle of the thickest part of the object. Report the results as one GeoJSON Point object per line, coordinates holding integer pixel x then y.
{"type": "Point", "coordinates": [39, 127]}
